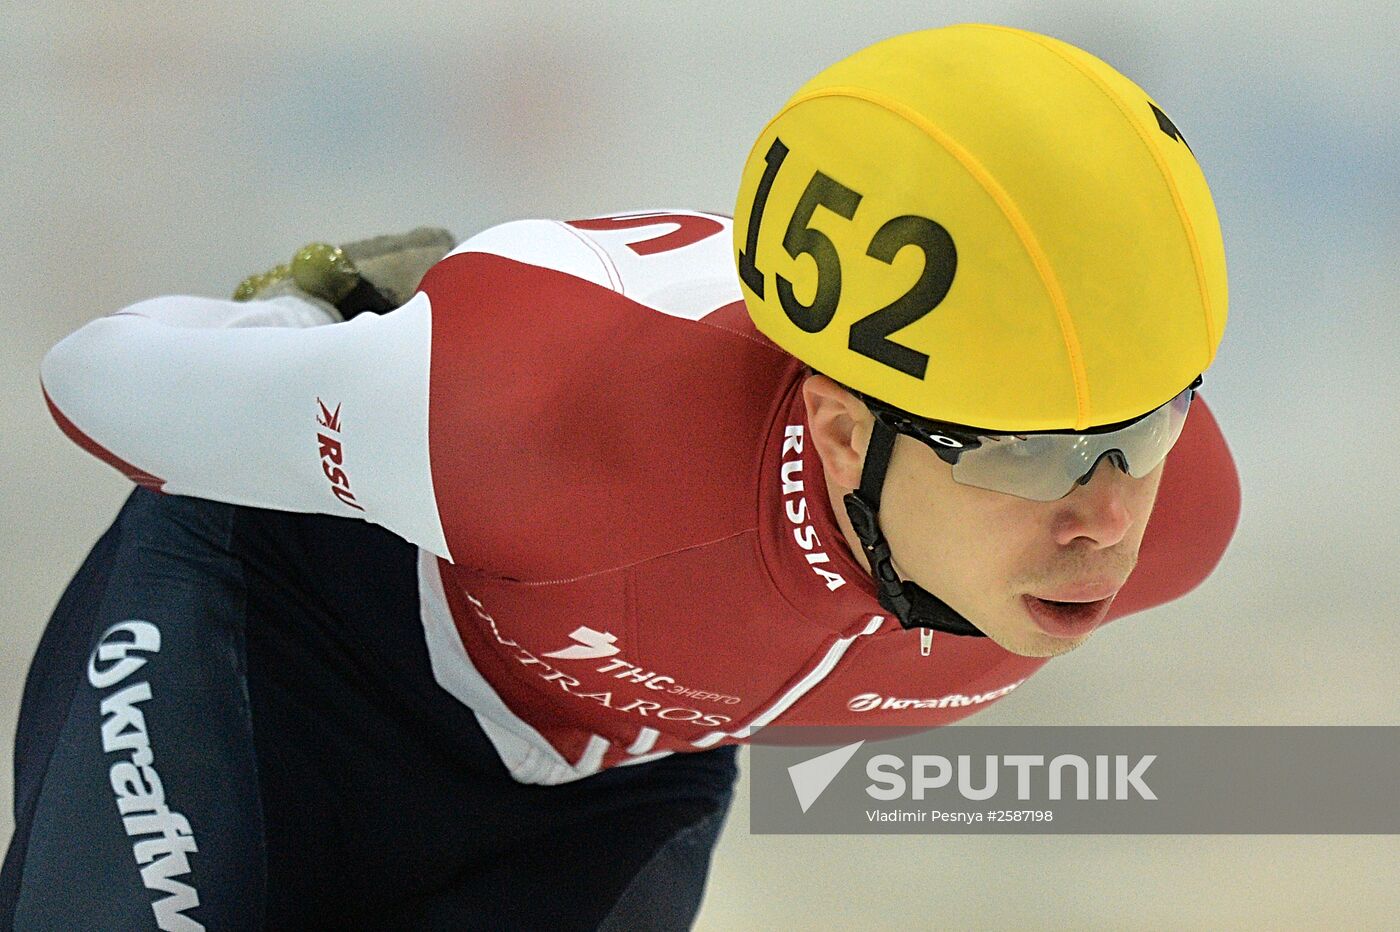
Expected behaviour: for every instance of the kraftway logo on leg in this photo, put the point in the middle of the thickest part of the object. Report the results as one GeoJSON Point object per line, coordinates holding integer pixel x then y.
{"type": "Point", "coordinates": [167, 839]}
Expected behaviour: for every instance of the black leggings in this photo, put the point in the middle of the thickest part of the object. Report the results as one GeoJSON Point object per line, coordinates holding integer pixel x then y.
{"type": "Point", "coordinates": [231, 722]}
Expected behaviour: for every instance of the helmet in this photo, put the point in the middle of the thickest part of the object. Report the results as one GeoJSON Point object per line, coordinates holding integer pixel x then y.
{"type": "Point", "coordinates": [984, 226]}
{"type": "Point", "coordinates": [981, 226]}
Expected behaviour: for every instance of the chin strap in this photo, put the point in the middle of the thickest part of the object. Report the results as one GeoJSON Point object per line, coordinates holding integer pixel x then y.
{"type": "Point", "coordinates": [912, 605]}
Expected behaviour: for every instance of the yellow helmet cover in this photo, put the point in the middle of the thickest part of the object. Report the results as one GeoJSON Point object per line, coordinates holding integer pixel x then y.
{"type": "Point", "coordinates": [984, 226]}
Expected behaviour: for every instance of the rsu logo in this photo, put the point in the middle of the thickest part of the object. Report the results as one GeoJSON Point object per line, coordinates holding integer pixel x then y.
{"type": "Point", "coordinates": [333, 455]}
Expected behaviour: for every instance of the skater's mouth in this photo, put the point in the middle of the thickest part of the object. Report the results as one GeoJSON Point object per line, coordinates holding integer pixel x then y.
{"type": "Point", "coordinates": [1075, 614]}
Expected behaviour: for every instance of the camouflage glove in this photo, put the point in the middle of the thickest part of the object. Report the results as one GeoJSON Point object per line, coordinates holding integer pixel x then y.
{"type": "Point", "coordinates": [374, 275]}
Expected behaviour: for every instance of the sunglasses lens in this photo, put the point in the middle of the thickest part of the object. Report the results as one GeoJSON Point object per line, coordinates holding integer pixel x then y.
{"type": "Point", "coordinates": [1045, 467]}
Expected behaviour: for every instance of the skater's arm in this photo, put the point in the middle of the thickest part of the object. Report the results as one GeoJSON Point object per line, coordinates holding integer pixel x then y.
{"type": "Point", "coordinates": [262, 403]}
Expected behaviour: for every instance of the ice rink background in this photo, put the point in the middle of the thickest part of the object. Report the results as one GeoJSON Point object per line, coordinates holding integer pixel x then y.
{"type": "Point", "coordinates": [175, 148]}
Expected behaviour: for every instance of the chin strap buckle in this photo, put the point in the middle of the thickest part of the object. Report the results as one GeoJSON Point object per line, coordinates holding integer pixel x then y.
{"type": "Point", "coordinates": [914, 607]}
{"type": "Point", "coordinates": [877, 551]}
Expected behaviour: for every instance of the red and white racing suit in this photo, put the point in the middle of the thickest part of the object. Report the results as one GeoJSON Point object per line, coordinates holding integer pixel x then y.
{"type": "Point", "coordinates": [626, 546]}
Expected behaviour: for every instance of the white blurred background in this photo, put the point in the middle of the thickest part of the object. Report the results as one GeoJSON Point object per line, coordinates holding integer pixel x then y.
{"type": "Point", "coordinates": [177, 147]}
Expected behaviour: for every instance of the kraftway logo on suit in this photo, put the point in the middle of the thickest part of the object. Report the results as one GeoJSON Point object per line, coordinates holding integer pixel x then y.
{"type": "Point", "coordinates": [167, 839]}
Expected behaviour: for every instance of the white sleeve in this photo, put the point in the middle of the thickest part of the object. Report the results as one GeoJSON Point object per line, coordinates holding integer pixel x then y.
{"type": "Point", "coordinates": [263, 403]}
